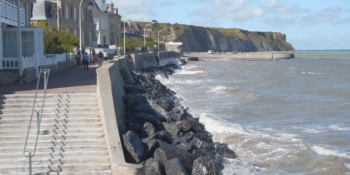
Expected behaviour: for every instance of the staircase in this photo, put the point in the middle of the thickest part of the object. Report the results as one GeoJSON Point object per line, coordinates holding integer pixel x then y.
{"type": "Point", "coordinates": [72, 137]}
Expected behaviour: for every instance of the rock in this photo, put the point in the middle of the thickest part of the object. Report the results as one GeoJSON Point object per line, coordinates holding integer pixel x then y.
{"type": "Point", "coordinates": [135, 89]}
{"type": "Point", "coordinates": [146, 108]}
{"type": "Point", "coordinates": [133, 127]}
{"type": "Point", "coordinates": [173, 129]}
{"type": "Point", "coordinates": [171, 152]}
{"type": "Point", "coordinates": [187, 125]}
{"type": "Point", "coordinates": [179, 140]}
{"type": "Point", "coordinates": [207, 165]}
{"type": "Point", "coordinates": [147, 130]}
{"type": "Point", "coordinates": [160, 155]}
{"type": "Point", "coordinates": [217, 150]}
{"type": "Point", "coordinates": [186, 146]}
{"type": "Point", "coordinates": [197, 143]}
{"type": "Point", "coordinates": [153, 167]}
{"type": "Point", "coordinates": [150, 147]}
{"type": "Point", "coordinates": [149, 118]}
{"type": "Point", "coordinates": [132, 100]}
{"type": "Point", "coordinates": [174, 167]}
{"type": "Point", "coordinates": [161, 135]}
{"type": "Point", "coordinates": [134, 147]}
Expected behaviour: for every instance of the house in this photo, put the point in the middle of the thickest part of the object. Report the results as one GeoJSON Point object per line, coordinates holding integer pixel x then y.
{"type": "Point", "coordinates": [12, 52]}
{"type": "Point", "coordinates": [107, 21]}
{"type": "Point", "coordinates": [132, 29]}
{"type": "Point", "coordinates": [67, 18]}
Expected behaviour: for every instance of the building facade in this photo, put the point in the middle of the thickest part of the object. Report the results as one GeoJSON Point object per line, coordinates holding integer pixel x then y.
{"type": "Point", "coordinates": [107, 21]}
{"type": "Point", "coordinates": [67, 18]}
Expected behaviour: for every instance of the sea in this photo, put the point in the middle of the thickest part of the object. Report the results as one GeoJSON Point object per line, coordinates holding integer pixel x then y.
{"type": "Point", "coordinates": [280, 117]}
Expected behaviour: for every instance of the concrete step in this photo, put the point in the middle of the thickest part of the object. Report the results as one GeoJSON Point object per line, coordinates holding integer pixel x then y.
{"type": "Point", "coordinates": [45, 167]}
{"type": "Point", "coordinates": [51, 126]}
{"type": "Point", "coordinates": [33, 131]}
{"type": "Point", "coordinates": [81, 154]}
{"type": "Point", "coordinates": [52, 137]}
{"type": "Point", "coordinates": [48, 96]}
{"type": "Point", "coordinates": [63, 100]}
{"type": "Point", "coordinates": [56, 160]}
{"type": "Point", "coordinates": [51, 120]}
{"type": "Point", "coordinates": [57, 149]}
{"type": "Point", "coordinates": [50, 115]}
{"type": "Point", "coordinates": [48, 105]}
{"type": "Point", "coordinates": [50, 110]}
{"type": "Point", "coordinates": [91, 172]}
{"type": "Point", "coordinates": [31, 143]}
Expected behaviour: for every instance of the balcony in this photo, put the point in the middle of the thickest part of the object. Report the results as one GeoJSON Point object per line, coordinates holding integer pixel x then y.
{"type": "Point", "coordinates": [8, 13]}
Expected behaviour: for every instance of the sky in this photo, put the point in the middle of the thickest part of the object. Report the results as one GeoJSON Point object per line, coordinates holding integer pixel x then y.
{"type": "Point", "coordinates": [308, 24]}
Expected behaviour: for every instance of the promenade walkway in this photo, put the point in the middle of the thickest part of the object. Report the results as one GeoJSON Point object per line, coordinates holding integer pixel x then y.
{"type": "Point", "coordinates": [75, 80]}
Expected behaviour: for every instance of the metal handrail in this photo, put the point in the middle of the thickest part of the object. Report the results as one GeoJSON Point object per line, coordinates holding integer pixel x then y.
{"type": "Point", "coordinates": [46, 73]}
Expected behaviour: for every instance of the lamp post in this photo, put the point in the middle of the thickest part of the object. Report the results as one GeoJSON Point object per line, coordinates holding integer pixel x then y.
{"type": "Point", "coordinates": [81, 50]}
{"type": "Point", "coordinates": [158, 38]}
{"type": "Point", "coordinates": [124, 29]}
{"type": "Point", "coordinates": [144, 33]}
{"type": "Point", "coordinates": [58, 17]}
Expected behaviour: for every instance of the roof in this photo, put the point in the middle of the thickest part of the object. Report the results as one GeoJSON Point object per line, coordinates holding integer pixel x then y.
{"type": "Point", "coordinates": [39, 13]}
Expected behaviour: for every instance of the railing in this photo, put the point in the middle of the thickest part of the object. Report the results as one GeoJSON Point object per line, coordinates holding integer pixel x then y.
{"type": "Point", "coordinates": [8, 13]}
{"type": "Point", "coordinates": [61, 57]}
{"type": "Point", "coordinates": [46, 73]}
{"type": "Point", "coordinates": [10, 63]}
{"type": "Point", "coordinates": [32, 62]}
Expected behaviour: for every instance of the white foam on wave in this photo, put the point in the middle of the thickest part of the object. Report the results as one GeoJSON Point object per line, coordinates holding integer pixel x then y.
{"type": "Point", "coordinates": [184, 72]}
{"type": "Point", "coordinates": [327, 152]}
{"type": "Point", "coordinates": [220, 89]}
{"type": "Point", "coordinates": [337, 127]}
{"type": "Point", "coordinates": [191, 67]}
{"type": "Point", "coordinates": [311, 73]}
{"type": "Point", "coordinates": [238, 167]}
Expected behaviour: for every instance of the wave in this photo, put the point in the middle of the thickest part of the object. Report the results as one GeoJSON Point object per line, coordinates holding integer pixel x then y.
{"type": "Point", "coordinates": [337, 127]}
{"type": "Point", "coordinates": [327, 152]}
{"type": "Point", "coordinates": [184, 72]}
{"type": "Point", "coordinates": [221, 89]}
{"type": "Point", "coordinates": [311, 73]}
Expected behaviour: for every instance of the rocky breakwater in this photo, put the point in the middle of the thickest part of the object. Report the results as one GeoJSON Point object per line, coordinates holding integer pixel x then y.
{"type": "Point", "coordinates": [162, 134]}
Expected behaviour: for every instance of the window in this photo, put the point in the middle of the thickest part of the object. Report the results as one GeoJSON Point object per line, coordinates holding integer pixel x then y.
{"type": "Point", "coordinates": [104, 40]}
{"type": "Point", "coordinates": [63, 8]}
{"type": "Point", "coordinates": [9, 44]}
{"type": "Point", "coordinates": [67, 11]}
{"type": "Point", "coordinates": [75, 32]}
{"type": "Point", "coordinates": [27, 44]}
{"type": "Point", "coordinates": [116, 28]}
{"type": "Point", "coordinates": [82, 38]}
{"type": "Point", "coordinates": [75, 13]}
{"type": "Point", "coordinates": [82, 14]}
{"type": "Point", "coordinates": [90, 39]}
{"type": "Point", "coordinates": [67, 30]}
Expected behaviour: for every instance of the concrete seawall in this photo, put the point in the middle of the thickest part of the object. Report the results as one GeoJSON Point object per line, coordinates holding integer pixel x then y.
{"type": "Point", "coordinates": [111, 79]}
{"type": "Point", "coordinates": [248, 55]}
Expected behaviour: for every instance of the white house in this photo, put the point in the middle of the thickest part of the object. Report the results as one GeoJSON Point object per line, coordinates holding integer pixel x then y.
{"type": "Point", "coordinates": [14, 19]}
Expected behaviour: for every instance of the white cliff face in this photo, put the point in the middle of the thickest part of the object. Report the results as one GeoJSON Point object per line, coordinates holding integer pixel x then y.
{"type": "Point", "coordinates": [199, 39]}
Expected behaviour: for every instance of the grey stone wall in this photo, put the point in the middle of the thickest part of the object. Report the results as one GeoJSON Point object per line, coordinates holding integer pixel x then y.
{"type": "Point", "coordinates": [111, 79]}
{"type": "Point", "coordinates": [29, 75]}
{"type": "Point", "coordinates": [9, 76]}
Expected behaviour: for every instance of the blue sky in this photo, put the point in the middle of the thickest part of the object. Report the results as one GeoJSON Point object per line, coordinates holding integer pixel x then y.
{"type": "Point", "coordinates": [308, 24]}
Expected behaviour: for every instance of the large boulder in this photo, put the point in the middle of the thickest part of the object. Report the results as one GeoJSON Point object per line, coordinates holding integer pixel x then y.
{"type": "Point", "coordinates": [134, 147]}
{"type": "Point", "coordinates": [173, 128]}
{"type": "Point", "coordinates": [132, 100]}
{"type": "Point", "coordinates": [174, 167]}
{"type": "Point", "coordinates": [206, 166]}
{"type": "Point", "coordinates": [153, 167]}
{"type": "Point", "coordinates": [171, 152]}
{"type": "Point", "coordinates": [147, 130]}
{"type": "Point", "coordinates": [135, 89]}
{"type": "Point", "coordinates": [161, 135]}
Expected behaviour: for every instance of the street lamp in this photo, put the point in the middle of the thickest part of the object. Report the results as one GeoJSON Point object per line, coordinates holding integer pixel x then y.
{"type": "Point", "coordinates": [81, 50]}
{"type": "Point", "coordinates": [158, 37]}
{"type": "Point", "coordinates": [144, 33]}
{"type": "Point", "coordinates": [124, 29]}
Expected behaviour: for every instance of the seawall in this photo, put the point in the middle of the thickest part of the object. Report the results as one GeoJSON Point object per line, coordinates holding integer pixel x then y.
{"type": "Point", "coordinates": [111, 79]}
{"type": "Point", "coordinates": [247, 55]}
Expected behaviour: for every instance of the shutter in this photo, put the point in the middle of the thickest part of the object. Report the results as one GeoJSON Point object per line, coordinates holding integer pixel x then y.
{"type": "Point", "coordinates": [71, 12]}
{"type": "Point", "coordinates": [63, 10]}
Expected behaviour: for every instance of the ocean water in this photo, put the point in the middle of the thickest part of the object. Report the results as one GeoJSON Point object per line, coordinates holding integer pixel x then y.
{"type": "Point", "coordinates": [280, 117]}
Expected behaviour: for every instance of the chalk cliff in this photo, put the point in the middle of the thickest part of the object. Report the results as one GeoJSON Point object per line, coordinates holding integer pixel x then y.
{"type": "Point", "coordinates": [201, 39]}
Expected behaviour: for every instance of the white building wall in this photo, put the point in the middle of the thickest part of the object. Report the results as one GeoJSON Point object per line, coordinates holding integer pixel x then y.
{"type": "Point", "coordinates": [1, 55]}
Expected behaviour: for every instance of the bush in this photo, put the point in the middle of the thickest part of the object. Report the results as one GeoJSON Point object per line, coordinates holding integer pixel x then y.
{"type": "Point", "coordinates": [131, 43]}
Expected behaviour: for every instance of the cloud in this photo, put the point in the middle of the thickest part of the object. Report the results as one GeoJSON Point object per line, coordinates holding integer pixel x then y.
{"type": "Point", "coordinates": [144, 9]}
{"type": "Point", "coordinates": [207, 22]}
{"type": "Point", "coordinates": [276, 6]}
{"type": "Point", "coordinates": [282, 21]}
{"type": "Point", "coordinates": [301, 37]}
{"type": "Point", "coordinates": [167, 3]}
{"type": "Point", "coordinates": [239, 10]}
{"type": "Point", "coordinates": [327, 15]}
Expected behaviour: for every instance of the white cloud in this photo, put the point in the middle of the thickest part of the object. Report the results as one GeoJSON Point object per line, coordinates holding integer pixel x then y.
{"type": "Point", "coordinates": [167, 3]}
{"type": "Point", "coordinates": [144, 9]}
{"type": "Point", "coordinates": [283, 20]}
{"type": "Point", "coordinates": [276, 6]}
{"type": "Point", "coordinates": [301, 37]}
{"type": "Point", "coordinates": [327, 15]}
{"type": "Point", "coordinates": [239, 10]}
